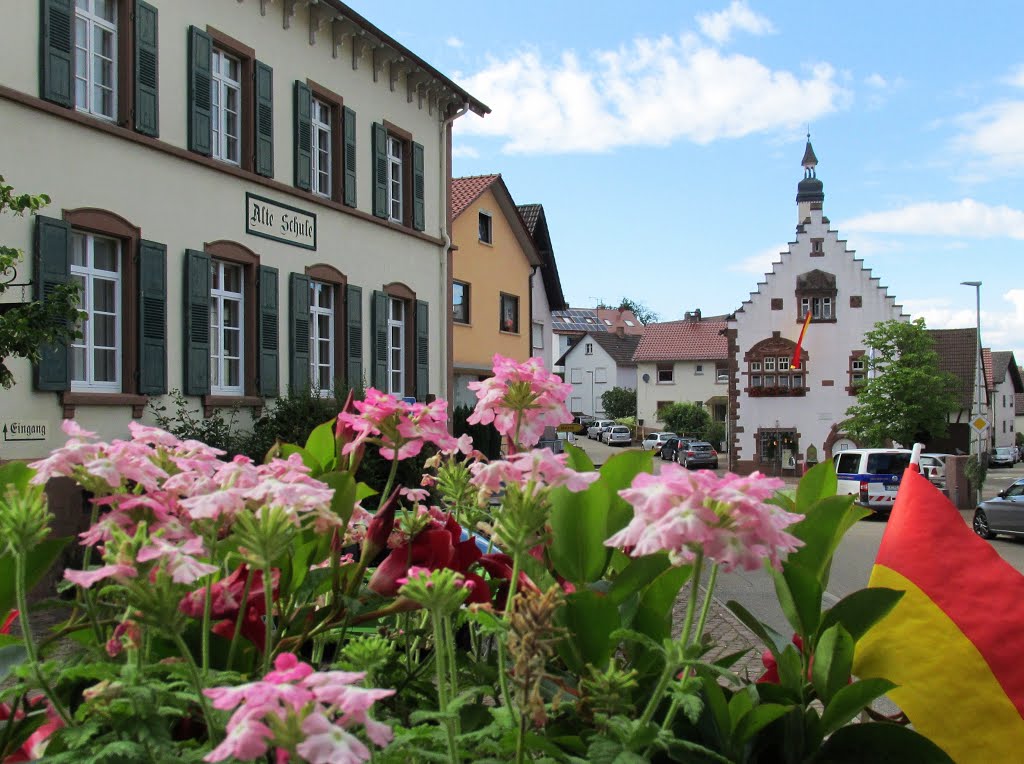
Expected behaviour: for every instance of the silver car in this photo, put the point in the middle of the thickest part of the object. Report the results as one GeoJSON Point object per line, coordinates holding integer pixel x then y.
{"type": "Point", "coordinates": [619, 435]}
{"type": "Point", "coordinates": [933, 467]}
{"type": "Point", "coordinates": [595, 430]}
{"type": "Point", "coordinates": [1001, 514]}
{"type": "Point", "coordinates": [1001, 457]}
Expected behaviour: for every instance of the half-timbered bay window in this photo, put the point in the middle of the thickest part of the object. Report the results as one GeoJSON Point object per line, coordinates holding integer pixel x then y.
{"type": "Point", "coordinates": [227, 333]}
{"type": "Point", "coordinates": [100, 58]}
{"type": "Point", "coordinates": [122, 354]}
{"type": "Point", "coordinates": [770, 370]}
{"type": "Point", "coordinates": [96, 355]}
{"type": "Point", "coordinates": [96, 57]}
{"type": "Point", "coordinates": [398, 178]}
{"type": "Point", "coordinates": [816, 294]}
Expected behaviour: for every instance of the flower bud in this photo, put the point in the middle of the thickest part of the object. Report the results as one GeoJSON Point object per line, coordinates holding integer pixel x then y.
{"type": "Point", "coordinates": [24, 519]}
{"type": "Point", "coordinates": [380, 527]}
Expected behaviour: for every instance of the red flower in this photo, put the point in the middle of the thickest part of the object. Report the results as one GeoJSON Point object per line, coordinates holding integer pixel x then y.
{"type": "Point", "coordinates": [226, 603]}
{"type": "Point", "coordinates": [5, 627]}
{"type": "Point", "coordinates": [35, 744]}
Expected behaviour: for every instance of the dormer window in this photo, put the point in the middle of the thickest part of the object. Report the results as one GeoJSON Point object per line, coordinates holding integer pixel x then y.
{"type": "Point", "coordinates": [820, 307]}
{"type": "Point", "coordinates": [816, 294]}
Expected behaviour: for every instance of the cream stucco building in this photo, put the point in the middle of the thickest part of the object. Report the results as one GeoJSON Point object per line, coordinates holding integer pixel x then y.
{"type": "Point", "coordinates": [252, 195]}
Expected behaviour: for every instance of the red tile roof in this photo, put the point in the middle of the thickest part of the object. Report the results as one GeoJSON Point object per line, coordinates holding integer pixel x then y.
{"type": "Point", "coordinates": [683, 341]}
{"type": "Point", "coordinates": [613, 319]}
{"type": "Point", "coordinates": [465, 191]}
{"type": "Point", "coordinates": [986, 358]}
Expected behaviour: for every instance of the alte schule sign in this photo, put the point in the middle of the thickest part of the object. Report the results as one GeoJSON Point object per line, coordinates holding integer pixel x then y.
{"type": "Point", "coordinates": [273, 220]}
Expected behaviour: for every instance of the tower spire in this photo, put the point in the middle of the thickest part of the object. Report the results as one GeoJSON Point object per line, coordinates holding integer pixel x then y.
{"type": "Point", "coordinates": [810, 191]}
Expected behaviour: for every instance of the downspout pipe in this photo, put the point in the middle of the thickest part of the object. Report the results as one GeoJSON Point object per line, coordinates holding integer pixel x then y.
{"type": "Point", "coordinates": [444, 293]}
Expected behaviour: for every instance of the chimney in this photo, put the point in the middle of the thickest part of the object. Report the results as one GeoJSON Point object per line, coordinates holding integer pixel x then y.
{"type": "Point", "coordinates": [696, 314]}
{"type": "Point", "coordinates": [620, 330]}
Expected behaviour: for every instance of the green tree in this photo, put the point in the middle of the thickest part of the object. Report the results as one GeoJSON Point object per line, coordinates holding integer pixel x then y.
{"type": "Point", "coordinates": [643, 314]}
{"type": "Point", "coordinates": [686, 419]}
{"type": "Point", "coordinates": [619, 402]}
{"type": "Point", "coordinates": [905, 399]}
{"type": "Point", "coordinates": [26, 327]}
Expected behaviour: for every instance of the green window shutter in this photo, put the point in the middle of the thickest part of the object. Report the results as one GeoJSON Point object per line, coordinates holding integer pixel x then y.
{"type": "Point", "coordinates": [200, 86]}
{"type": "Point", "coordinates": [298, 331]}
{"type": "Point", "coordinates": [422, 350]}
{"type": "Point", "coordinates": [418, 188]}
{"type": "Point", "coordinates": [153, 318]}
{"type": "Point", "coordinates": [268, 381]}
{"type": "Point", "coordinates": [380, 171]}
{"type": "Point", "coordinates": [197, 323]}
{"type": "Point", "coordinates": [379, 337]}
{"type": "Point", "coordinates": [348, 128]}
{"type": "Point", "coordinates": [303, 136]}
{"type": "Point", "coordinates": [354, 337]}
{"type": "Point", "coordinates": [56, 51]}
{"type": "Point", "coordinates": [52, 269]}
{"type": "Point", "coordinates": [264, 160]}
{"type": "Point", "coordinates": [147, 103]}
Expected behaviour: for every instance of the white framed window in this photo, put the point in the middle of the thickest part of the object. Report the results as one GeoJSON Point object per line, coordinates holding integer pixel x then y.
{"type": "Point", "coordinates": [590, 348]}
{"type": "Point", "coordinates": [797, 380]}
{"type": "Point", "coordinates": [784, 362]}
{"type": "Point", "coordinates": [857, 364]}
{"type": "Point", "coordinates": [396, 346]}
{"type": "Point", "coordinates": [698, 368]}
{"type": "Point", "coordinates": [666, 373]}
{"type": "Point", "coordinates": [755, 366]}
{"type": "Point", "coordinates": [227, 301]}
{"type": "Point", "coordinates": [755, 380]}
{"type": "Point", "coordinates": [226, 96]}
{"type": "Point", "coordinates": [721, 373]}
{"type": "Point", "coordinates": [509, 316]}
{"type": "Point", "coordinates": [820, 307]}
{"type": "Point", "coordinates": [538, 335]}
{"type": "Point", "coordinates": [321, 337]}
{"type": "Point", "coordinates": [96, 57]}
{"type": "Point", "coordinates": [96, 356]}
{"type": "Point", "coordinates": [769, 364]}
{"type": "Point", "coordinates": [320, 124]}
{"type": "Point", "coordinates": [395, 154]}
{"type": "Point", "coordinates": [600, 375]}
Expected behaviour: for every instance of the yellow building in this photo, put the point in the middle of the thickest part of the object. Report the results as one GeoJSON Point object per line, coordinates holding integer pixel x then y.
{"type": "Point", "coordinates": [493, 264]}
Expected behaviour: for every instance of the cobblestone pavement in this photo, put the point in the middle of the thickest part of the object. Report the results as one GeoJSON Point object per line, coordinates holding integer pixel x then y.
{"type": "Point", "coordinates": [728, 634]}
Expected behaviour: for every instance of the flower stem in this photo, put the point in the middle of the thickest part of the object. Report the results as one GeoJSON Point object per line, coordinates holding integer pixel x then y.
{"type": "Point", "coordinates": [208, 608]}
{"type": "Point", "coordinates": [268, 624]}
{"type": "Point", "coordinates": [440, 661]}
{"type": "Point", "coordinates": [193, 671]}
{"type": "Point", "coordinates": [707, 603]}
{"type": "Point", "coordinates": [238, 620]}
{"type": "Point", "coordinates": [30, 645]}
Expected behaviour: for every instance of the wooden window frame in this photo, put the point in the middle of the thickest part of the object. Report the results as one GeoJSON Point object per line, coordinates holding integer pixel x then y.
{"type": "Point", "coordinates": [337, 105]}
{"type": "Point", "coordinates": [246, 56]}
{"type": "Point", "coordinates": [405, 137]}
{"type": "Point", "coordinates": [481, 217]}
{"type": "Point", "coordinates": [766, 367]}
{"type": "Point", "coordinates": [466, 291]}
{"type": "Point", "coordinates": [502, 296]}
{"type": "Point", "coordinates": [861, 357]}
{"type": "Point", "coordinates": [400, 291]}
{"type": "Point", "coordinates": [669, 367]}
{"type": "Point", "coordinates": [328, 274]}
{"type": "Point", "coordinates": [111, 225]}
{"type": "Point", "coordinates": [239, 254]}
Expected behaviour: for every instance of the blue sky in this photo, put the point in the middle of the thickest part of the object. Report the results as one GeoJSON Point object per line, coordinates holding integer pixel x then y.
{"type": "Point", "coordinates": [664, 140]}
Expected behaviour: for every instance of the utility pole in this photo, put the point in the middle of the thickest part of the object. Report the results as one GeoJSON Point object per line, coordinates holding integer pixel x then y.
{"type": "Point", "coordinates": [979, 376]}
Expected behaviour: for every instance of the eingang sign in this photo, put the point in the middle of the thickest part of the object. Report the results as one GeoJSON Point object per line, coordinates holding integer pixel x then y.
{"type": "Point", "coordinates": [273, 220]}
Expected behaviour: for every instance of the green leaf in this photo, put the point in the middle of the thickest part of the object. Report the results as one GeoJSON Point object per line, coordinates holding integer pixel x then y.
{"type": "Point", "coordinates": [799, 595]}
{"type": "Point", "coordinates": [768, 636]}
{"type": "Point", "coordinates": [321, 445]}
{"type": "Point", "coordinates": [17, 474]}
{"type": "Point", "coordinates": [617, 474]}
{"type": "Point", "coordinates": [819, 482]}
{"type": "Point", "coordinates": [37, 563]}
{"type": "Point", "coordinates": [715, 699]}
{"type": "Point", "coordinates": [879, 742]}
{"type": "Point", "coordinates": [579, 523]}
{"type": "Point", "coordinates": [578, 459]}
{"type": "Point", "coordinates": [821, 530]}
{"type": "Point", "coordinates": [790, 664]}
{"type": "Point", "coordinates": [833, 659]}
{"type": "Point", "coordinates": [344, 499]}
{"type": "Point", "coordinates": [590, 620]}
{"type": "Point", "coordinates": [859, 611]}
{"type": "Point", "coordinates": [11, 656]}
{"type": "Point", "coordinates": [849, 701]}
{"type": "Point", "coordinates": [757, 719]}
{"type": "Point", "coordinates": [740, 705]}
{"type": "Point", "coordinates": [640, 572]}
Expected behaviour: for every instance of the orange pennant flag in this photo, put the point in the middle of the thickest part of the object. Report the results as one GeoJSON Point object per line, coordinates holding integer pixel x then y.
{"type": "Point", "coordinates": [955, 642]}
{"type": "Point", "coordinates": [795, 362]}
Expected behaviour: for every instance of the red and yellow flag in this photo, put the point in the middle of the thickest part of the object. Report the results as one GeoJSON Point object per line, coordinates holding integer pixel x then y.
{"type": "Point", "coordinates": [955, 642]}
{"type": "Point", "coordinates": [795, 362]}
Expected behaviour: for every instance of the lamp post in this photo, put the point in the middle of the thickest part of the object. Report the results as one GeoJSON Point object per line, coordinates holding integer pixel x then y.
{"type": "Point", "coordinates": [979, 372]}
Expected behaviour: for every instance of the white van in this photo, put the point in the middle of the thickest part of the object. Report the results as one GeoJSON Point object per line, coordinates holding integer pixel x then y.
{"type": "Point", "coordinates": [872, 475]}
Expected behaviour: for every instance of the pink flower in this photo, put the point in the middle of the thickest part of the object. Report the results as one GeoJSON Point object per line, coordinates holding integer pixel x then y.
{"type": "Point", "coordinates": [521, 399]}
{"type": "Point", "coordinates": [86, 578]}
{"type": "Point", "coordinates": [327, 743]}
{"type": "Point", "coordinates": [726, 519]}
{"type": "Point", "coordinates": [540, 468]}
{"type": "Point", "coordinates": [400, 429]}
{"type": "Point", "coordinates": [181, 563]}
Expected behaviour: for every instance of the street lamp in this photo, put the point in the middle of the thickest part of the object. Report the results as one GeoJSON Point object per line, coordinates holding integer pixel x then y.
{"type": "Point", "coordinates": [979, 371]}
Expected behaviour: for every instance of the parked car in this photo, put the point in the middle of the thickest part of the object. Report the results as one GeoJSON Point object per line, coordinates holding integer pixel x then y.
{"type": "Point", "coordinates": [618, 435]}
{"type": "Point", "coordinates": [1001, 457]}
{"type": "Point", "coordinates": [670, 448]}
{"type": "Point", "coordinates": [697, 454]}
{"type": "Point", "coordinates": [1003, 513]}
{"type": "Point", "coordinates": [594, 431]}
{"type": "Point", "coordinates": [872, 475]}
{"type": "Point", "coordinates": [656, 440]}
{"type": "Point", "coordinates": [933, 467]}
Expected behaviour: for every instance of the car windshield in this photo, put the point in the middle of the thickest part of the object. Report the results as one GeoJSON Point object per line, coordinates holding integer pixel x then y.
{"type": "Point", "coordinates": [887, 464]}
{"type": "Point", "coordinates": [1002, 451]}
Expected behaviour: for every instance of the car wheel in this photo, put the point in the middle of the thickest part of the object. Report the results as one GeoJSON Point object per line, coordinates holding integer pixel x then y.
{"type": "Point", "coordinates": [981, 526]}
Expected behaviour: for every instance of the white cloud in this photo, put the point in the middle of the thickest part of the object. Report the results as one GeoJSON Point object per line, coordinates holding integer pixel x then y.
{"type": "Point", "coordinates": [645, 93]}
{"type": "Point", "coordinates": [966, 218]}
{"type": "Point", "coordinates": [996, 133]}
{"type": "Point", "coordinates": [1000, 329]}
{"type": "Point", "coordinates": [720, 26]}
{"type": "Point", "coordinates": [876, 80]}
{"type": "Point", "coordinates": [453, 42]}
{"type": "Point", "coordinates": [465, 152]}
{"type": "Point", "coordinates": [1016, 77]}
{"type": "Point", "coordinates": [761, 263]}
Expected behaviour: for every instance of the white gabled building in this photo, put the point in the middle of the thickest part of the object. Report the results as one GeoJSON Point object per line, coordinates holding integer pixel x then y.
{"type": "Point", "coordinates": [783, 417]}
{"type": "Point", "coordinates": [594, 365]}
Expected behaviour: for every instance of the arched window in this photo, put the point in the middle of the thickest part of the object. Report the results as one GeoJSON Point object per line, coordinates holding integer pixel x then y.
{"type": "Point", "coordinates": [770, 371]}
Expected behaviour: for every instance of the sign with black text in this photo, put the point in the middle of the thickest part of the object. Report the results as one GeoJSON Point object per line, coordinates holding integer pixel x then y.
{"type": "Point", "coordinates": [273, 220]}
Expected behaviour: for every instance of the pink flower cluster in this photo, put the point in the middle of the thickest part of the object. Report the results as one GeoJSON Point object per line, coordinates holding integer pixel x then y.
{"type": "Point", "coordinates": [540, 468]}
{"type": "Point", "coordinates": [400, 429]}
{"type": "Point", "coordinates": [326, 705]}
{"type": "Point", "coordinates": [521, 399]}
{"type": "Point", "coordinates": [726, 518]}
